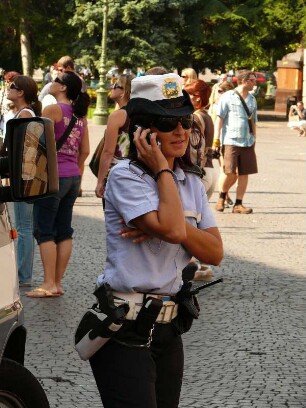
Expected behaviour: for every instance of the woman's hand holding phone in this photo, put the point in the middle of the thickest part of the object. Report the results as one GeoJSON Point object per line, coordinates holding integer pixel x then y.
{"type": "Point", "coordinates": [148, 148]}
{"type": "Point", "coordinates": [148, 136]}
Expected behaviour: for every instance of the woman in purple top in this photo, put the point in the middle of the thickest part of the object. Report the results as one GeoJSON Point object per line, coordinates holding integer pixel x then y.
{"type": "Point", "coordinates": [53, 215]}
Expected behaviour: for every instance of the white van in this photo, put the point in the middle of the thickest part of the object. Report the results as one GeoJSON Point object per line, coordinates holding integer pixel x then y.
{"type": "Point", "coordinates": [29, 164]}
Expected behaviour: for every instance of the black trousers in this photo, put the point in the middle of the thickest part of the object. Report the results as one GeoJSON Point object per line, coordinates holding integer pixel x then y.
{"type": "Point", "coordinates": [141, 377]}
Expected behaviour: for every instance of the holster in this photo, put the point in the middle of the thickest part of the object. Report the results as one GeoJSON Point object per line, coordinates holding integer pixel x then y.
{"type": "Point", "coordinates": [137, 333]}
{"type": "Point", "coordinates": [148, 315]}
{"type": "Point", "coordinates": [99, 323]}
{"type": "Point", "coordinates": [189, 308]}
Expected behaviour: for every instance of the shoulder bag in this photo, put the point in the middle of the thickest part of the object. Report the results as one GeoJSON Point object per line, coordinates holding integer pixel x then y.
{"type": "Point", "coordinates": [121, 151]}
{"type": "Point", "coordinates": [95, 160]}
{"type": "Point", "coordinates": [251, 121]}
{"type": "Point", "coordinates": [66, 134]}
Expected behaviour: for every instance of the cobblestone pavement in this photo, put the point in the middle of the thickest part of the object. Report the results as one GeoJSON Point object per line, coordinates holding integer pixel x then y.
{"type": "Point", "coordinates": [248, 347]}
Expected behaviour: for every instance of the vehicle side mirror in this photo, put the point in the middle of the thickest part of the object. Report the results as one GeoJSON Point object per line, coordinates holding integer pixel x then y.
{"type": "Point", "coordinates": [31, 161]}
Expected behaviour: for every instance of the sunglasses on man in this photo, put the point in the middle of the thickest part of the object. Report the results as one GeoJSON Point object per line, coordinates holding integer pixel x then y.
{"type": "Point", "coordinates": [166, 124]}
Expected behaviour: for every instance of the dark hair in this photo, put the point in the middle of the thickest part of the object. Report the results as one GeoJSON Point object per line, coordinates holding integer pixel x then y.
{"type": "Point", "coordinates": [30, 92]}
{"type": "Point", "coordinates": [80, 100]}
{"type": "Point", "coordinates": [201, 89]}
{"type": "Point", "coordinates": [145, 121]}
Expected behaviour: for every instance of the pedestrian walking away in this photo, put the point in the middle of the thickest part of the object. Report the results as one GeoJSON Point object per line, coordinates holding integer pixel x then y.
{"type": "Point", "coordinates": [236, 118]}
{"type": "Point", "coordinates": [158, 196]}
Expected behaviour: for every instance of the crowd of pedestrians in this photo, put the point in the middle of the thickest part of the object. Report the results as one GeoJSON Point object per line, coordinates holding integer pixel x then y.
{"type": "Point", "coordinates": [156, 176]}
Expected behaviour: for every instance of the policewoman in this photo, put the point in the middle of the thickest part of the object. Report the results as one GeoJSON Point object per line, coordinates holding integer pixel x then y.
{"type": "Point", "coordinates": [157, 201]}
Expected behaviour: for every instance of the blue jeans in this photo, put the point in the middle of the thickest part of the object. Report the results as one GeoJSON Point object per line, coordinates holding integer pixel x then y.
{"type": "Point", "coordinates": [53, 215]}
{"type": "Point", "coordinates": [25, 241]}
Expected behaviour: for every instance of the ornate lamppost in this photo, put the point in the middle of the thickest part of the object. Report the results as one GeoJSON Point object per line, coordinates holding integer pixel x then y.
{"type": "Point", "coordinates": [100, 114]}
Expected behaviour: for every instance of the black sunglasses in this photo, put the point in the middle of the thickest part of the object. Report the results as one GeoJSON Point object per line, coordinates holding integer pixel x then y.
{"type": "Point", "coordinates": [57, 79]}
{"type": "Point", "coordinates": [164, 124]}
{"type": "Point", "coordinates": [14, 86]}
{"type": "Point", "coordinates": [116, 86]}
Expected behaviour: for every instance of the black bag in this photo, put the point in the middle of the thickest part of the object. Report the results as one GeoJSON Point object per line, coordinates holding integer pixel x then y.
{"type": "Point", "coordinates": [95, 160]}
{"type": "Point", "coordinates": [251, 121]}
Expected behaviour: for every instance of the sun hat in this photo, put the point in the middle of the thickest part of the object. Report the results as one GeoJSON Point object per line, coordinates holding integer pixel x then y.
{"type": "Point", "coordinates": [159, 95]}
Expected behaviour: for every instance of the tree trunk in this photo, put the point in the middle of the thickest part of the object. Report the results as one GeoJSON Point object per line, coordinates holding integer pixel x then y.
{"type": "Point", "coordinates": [25, 48]}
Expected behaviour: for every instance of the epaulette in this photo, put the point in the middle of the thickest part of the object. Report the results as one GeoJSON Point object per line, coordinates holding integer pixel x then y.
{"type": "Point", "coordinates": [142, 167]}
{"type": "Point", "coordinates": [197, 170]}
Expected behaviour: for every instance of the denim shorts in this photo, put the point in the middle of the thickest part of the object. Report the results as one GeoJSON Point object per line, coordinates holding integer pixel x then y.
{"type": "Point", "coordinates": [53, 215]}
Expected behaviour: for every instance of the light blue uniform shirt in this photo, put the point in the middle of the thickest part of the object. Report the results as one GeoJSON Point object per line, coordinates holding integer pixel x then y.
{"type": "Point", "coordinates": [235, 130]}
{"type": "Point", "coordinates": [154, 265]}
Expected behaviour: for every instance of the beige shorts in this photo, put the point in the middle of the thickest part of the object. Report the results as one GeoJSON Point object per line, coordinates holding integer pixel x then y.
{"type": "Point", "coordinates": [239, 159]}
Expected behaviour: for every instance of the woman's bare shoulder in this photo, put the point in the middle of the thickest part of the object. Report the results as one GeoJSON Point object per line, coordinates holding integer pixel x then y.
{"type": "Point", "coordinates": [53, 112]}
{"type": "Point", "coordinates": [118, 116]}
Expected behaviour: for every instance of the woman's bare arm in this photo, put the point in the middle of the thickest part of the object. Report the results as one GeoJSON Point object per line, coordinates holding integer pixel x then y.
{"type": "Point", "coordinates": [84, 147]}
{"type": "Point", "coordinates": [115, 121]}
{"type": "Point", "coordinates": [206, 245]}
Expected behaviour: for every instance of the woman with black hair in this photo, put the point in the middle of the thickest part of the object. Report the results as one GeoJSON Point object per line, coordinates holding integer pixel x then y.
{"type": "Point", "coordinates": [161, 200]}
{"type": "Point", "coordinates": [53, 215]}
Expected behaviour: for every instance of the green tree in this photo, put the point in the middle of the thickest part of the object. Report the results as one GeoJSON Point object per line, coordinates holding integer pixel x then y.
{"type": "Point", "coordinates": [252, 34]}
{"type": "Point", "coordinates": [140, 32]}
{"type": "Point", "coordinates": [35, 33]}
{"type": "Point", "coordinates": [174, 33]}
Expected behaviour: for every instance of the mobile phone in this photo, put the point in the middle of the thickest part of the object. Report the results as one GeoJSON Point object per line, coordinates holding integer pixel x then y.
{"type": "Point", "coordinates": [148, 137]}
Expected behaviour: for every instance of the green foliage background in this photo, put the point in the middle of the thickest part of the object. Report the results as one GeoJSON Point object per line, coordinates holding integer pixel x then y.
{"type": "Point", "coordinates": [174, 33]}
